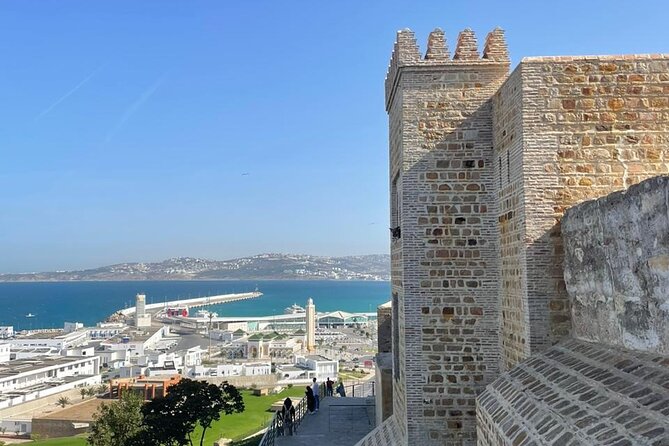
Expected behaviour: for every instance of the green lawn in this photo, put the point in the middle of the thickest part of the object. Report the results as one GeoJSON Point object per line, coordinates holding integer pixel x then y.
{"type": "Point", "coordinates": [351, 374]}
{"type": "Point", "coordinates": [68, 441]}
{"type": "Point", "coordinates": [236, 426]}
{"type": "Point", "coordinates": [254, 417]}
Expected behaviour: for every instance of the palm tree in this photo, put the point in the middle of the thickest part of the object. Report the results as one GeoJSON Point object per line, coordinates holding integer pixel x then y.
{"type": "Point", "coordinates": [83, 392]}
{"type": "Point", "coordinates": [63, 401]}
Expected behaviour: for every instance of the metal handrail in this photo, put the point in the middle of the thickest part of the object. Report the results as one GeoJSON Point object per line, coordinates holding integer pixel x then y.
{"type": "Point", "coordinates": [275, 424]}
{"type": "Point", "coordinates": [358, 390]}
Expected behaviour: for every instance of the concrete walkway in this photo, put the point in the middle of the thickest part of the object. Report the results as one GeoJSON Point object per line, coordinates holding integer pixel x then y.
{"type": "Point", "coordinates": [339, 422]}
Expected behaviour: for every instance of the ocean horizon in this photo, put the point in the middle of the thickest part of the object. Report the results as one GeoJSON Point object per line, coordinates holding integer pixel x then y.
{"type": "Point", "coordinates": [89, 302]}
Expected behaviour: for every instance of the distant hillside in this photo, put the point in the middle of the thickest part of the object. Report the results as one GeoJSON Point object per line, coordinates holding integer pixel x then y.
{"type": "Point", "coordinates": [262, 266]}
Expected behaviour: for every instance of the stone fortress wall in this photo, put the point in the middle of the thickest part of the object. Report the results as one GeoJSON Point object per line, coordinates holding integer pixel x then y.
{"type": "Point", "coordinates": [609, 383]}
{"type": "Point", "coordinates": [483, 165]}
{"type": "Point", "coordinates": [589, 126]}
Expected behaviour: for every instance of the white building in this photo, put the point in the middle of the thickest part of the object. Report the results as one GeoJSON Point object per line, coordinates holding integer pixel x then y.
{"type": "Point", "coordinates": [105, 330]}
{"type": "Point", "coordinates": [130, 370]}
{"type": "Point", "coordinates": [5, 351]}
{"type": "Point", "coordinates": [69, 327]}
{"type": "Point", "coordinates": [83, 350]}
{"type": "Point", "coordinates": [6, 331]}
{"type": "Point", "coordinates": [256, 368]}
{"type": "Point", "coordinates": [169, 368]}
{"type": "Point", "coordinates": [318, 367]}
{"type": "Point", "coordinates": [135, 343]}
{"type": "Point", "coordinates": [193, 356]}
{"type": "Point", "coordinates": [55, 338]}
{"type": "Point", "coordinates": [239, 369]}
{"type": "Point", "coordinates": [30, 379]}
{"type": "Point", "coordinates": [32, 352]}
{"type": "Point", "coordinates": [274, 346]}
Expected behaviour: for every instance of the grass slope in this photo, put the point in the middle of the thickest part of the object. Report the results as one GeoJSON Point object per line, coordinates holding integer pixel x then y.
{"type": "Point", "coordinates": [241, 425]}
{"type": "Point", "coordinates": [236, 426]}
{"type": "Point", "coordinates": [68, 441]}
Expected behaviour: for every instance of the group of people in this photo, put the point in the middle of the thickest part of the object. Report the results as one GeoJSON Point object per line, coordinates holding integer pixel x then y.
{"type": "Point", "coordinates": [313, 396]}
{"type": "Point", "coordinates": [286, 416]}
{"type": "Point", "coordinates": [313, 393]}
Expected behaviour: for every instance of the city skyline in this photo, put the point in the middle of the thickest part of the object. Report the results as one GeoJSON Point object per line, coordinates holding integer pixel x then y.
{"type": "Point", "coordinates": [145, 131]}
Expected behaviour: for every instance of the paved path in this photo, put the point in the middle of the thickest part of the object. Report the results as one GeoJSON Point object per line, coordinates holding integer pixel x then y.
{"type": "Point", "coordinates": [339, 422]}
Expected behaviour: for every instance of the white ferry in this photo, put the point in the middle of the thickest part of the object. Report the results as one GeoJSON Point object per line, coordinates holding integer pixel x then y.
{"type": "Point", "coordinates": [294, 309]}
{"type": "Point", "coordinates": [205, 314]}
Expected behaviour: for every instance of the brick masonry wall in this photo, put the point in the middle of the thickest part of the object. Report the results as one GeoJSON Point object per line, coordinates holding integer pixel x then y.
{"type": "Point", "coordinates": [617, 267]}
{"type": "Point", "coordinates": [441, 121]}
{"type": "Point", "coordinates": [396, 265]}
{"type": "Point", "coordinates": [384, 323]}
{"type": "Point", "coordinates": [591, 125]}
{"type": "Point", "coordinates": [508, 167]}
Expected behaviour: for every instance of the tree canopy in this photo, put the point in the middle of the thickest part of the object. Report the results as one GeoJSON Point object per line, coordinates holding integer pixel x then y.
{"type": "Point", "coordinates": [169, 420]}
{"type": "Point", "coordinates": [116, 423]}
{"type": "Point", "coordinates": [187, 404]}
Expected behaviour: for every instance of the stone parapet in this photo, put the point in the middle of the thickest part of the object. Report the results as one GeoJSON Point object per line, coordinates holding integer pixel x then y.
{"type": "Point", "coordinates": [617, 267]}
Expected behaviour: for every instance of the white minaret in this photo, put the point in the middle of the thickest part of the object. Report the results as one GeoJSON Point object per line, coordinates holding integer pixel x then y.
{"type": "Point", "coordinates": [311, 325]}
{"type": "Point", "coordinates": [141, 318]}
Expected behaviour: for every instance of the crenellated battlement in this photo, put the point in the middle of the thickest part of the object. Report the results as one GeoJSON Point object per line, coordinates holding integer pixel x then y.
{"type": "Point", "coordinates": [406, 52]}
{"type": "Point", "coordinates": [467, 47]}
{"type": "Point", "coordinates": [495, 46]}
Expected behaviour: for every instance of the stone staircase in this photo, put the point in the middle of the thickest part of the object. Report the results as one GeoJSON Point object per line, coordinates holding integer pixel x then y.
{"type": "Point", "coordinates": [339, 422]}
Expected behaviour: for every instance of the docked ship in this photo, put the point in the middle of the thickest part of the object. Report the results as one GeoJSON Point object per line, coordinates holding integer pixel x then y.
{"type": "Point", "coordinates": [294, 309]}
{"type": "Point", "coordinates": [206, 314]}
{"type": "Point", "coordinates": [181, 310]}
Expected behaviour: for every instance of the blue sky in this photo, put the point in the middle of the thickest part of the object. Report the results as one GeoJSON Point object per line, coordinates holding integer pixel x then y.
{"type": "Point", "coordinates": [142, 130]}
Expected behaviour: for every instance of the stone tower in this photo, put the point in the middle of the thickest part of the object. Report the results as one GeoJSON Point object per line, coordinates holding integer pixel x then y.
{"type": "Point", "coordinates": [311, 325]}
{"type": "Point", "coordinates": [483, 164]}
{"type": "Point", "coordinates": [444, 246]}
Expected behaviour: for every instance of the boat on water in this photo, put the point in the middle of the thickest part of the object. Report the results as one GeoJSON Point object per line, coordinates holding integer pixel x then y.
{"type": "Point", "coordinates": [30, 315]}
{"type": "Point", "coordinates": [294, 309]}
{"type": "Point", "coordinates": [206, 314]}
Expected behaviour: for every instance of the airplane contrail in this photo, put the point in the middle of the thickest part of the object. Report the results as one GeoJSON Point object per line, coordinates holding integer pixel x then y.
{"type": "Point", "coordinates": [146, 94]}
{"type": "Point", "coordinates": [68, 94]}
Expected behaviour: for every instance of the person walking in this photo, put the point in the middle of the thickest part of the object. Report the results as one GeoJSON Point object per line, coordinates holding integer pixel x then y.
{"type": "Point", "coordinates": [311, 401]}
{"type": "Point", "coordinates": [288, 416]}
{"type": "Point", "coordinates": [317, 397]}
{"type": "Point", "coordinates": [328, 387]}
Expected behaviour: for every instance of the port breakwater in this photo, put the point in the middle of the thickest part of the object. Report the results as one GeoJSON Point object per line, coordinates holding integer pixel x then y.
{"type": "Point", "coordinates": [195, 302]}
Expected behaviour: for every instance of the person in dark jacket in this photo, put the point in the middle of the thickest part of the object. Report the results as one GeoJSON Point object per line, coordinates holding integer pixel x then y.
{"type": "Point", "coordinates": [288, 416]}
{"type": "Point", "coordinates": [311, 401]}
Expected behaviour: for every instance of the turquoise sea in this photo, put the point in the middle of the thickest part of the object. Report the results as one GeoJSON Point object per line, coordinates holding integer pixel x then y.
{"type": "Point", "coordinates": [53, 303]}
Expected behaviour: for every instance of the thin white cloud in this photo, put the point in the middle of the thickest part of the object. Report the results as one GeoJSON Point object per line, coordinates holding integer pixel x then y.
{"type": "Point", "coordinates": [68, 94]}
{"type": "Point", "coordinates": [145, 96]}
